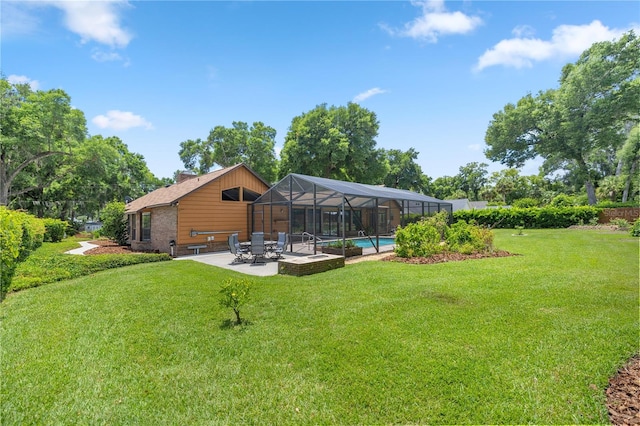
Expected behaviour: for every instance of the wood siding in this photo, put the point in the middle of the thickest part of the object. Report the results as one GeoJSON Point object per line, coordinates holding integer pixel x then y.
{"type": "Point", "coordinates": [204, 210]}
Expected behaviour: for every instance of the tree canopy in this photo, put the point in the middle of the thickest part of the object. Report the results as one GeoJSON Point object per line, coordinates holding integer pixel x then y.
{"type": "Point", "coordinates": [580, 125]}
{"type": "Point", "coordinates": [335, 142]}
{"type": "Point", "coordinates": [39, 130]}
{"type": "Point", "coordinates": [226, 146]}
{"type": "Point", "coordinates": [49, 165]}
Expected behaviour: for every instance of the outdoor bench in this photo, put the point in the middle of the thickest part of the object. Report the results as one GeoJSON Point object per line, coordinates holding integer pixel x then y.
{"type": "Point", "coordinates": [196, 249]}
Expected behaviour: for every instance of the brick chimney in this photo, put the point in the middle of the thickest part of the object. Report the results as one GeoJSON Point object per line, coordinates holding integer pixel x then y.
{"type": "Point", "coordinates": [185, 175]}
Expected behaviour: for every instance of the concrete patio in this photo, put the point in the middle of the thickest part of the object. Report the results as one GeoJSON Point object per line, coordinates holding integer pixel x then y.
{"type": "Point", "coordinates": [266, 267]}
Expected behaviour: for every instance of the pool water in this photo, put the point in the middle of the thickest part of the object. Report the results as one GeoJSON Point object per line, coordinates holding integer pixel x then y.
{"type": "Point", "coordinates": [366, 243]}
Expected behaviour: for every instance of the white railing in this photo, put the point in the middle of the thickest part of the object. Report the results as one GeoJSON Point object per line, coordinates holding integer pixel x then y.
{"type": "Point", "coordinates": [310, 238]}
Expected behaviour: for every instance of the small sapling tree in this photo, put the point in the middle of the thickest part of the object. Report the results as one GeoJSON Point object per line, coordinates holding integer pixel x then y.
{"type": "Point", "coordinates": [234, 294]}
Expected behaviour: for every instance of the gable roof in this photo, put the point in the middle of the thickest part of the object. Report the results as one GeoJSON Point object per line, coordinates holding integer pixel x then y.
{"type": "Point", "coordinates": [170, 194]}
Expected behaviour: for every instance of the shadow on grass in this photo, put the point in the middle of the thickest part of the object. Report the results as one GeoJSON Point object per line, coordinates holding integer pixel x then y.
{"type": "Point", "coordinates": [230, 324]}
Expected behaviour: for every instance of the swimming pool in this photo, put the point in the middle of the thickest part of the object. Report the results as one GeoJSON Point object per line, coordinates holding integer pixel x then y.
{"type": "Point", "coordinates": [366, 243]}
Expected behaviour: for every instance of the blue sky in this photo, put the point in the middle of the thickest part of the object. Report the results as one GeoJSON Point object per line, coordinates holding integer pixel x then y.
{"type": "Point", "coordinates": [156, 73]}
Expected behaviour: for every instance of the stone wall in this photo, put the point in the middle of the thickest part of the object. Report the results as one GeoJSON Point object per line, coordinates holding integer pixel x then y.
{"type": "Point", "coordinates": [308, 265]}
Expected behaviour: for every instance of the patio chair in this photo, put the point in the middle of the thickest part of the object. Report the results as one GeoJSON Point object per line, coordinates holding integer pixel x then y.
{"type": "Point", "coordinates": [280, 246]}
{"type": "Point", "coordinates": [241, 254]}
{"type": "Point", "coordinates": [257, 246]}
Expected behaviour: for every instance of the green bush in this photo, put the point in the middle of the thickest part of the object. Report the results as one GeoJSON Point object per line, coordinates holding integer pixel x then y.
{"type": "Point", "coordinates": [33, 232]}
{"type": "Point", "coordinates": [534, 217]}
{"type": "Point", "coordinates": [44, 269]}
{"type": "Point", "coordinates": [10, 242]}
{"type": "Point", "coordinates": [114, 224]}
{"type": "Point", "coordinates": [423, 238]}
{"type": "Point", "coordinates": [432, 235]}
{"type": "Point", "coordinates": [338, 244]}
{"type": "Point", "coordinates": [563, 200]}
{"type": "Point", "coordinates": [526, 203]}
{"type": "Point", "coordinates": [55, 230]}
{"type": "Point", "coordinates": [622, 224]}
{"type": "Point", "coordinates": [468, 238]}
{"type": "Point", "coordinates": [20, 234]}
{"type": "Point", "coordinates": [635, 229]}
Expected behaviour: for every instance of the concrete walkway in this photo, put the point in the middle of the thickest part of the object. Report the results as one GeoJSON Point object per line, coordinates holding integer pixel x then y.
{"type": "Point", "coordinates": [84, 246]}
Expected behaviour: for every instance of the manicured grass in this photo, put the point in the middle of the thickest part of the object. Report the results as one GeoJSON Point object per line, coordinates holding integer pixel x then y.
{"type": "Point", "coordinates": [49, 264]}
{"type": "Point", "coordinates": [524, 339]}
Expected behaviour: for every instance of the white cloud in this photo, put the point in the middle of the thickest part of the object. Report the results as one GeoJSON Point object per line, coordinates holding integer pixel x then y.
{"type": "Point", "coordinates": [369, 93]}
{"type": "Point", "coordinates": [120, 120]}
{"type": "Point", "coordinates": [101, 56]}
{"type": "Point", "coordinates": [523, 31]}
{"type": "Point", "coordinates": [22, 79]}
{"type": "Point", "coordinates": [475, 147]}
{"type": "Point", "coordinates": [97, 21]}
{"type": "Point", "coordinates": [93, 21]}
{"type": "Point", "coordinates": [566, 41]}
{"type": "Point", "coordinates": [435, 22]}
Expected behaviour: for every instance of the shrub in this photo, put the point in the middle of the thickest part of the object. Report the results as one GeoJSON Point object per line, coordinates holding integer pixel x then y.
{"type": "Point", "coordinates": [33, 232]}
{"type": "Point", "coordinates": [469, 238]}
{"type": "Point", "coordinates": [419, 239]}
{"type": "Point", "coordinates": [635, 229]}
{"type": "Point", "coordinates": [432, 235]}
{"type": "Point", "coordinates": [10, 241]}
{"type": "Point", "coordinates": [55, 230]}
{"type": "Point", "coordinates": [338, 244]}
{"type": "Point", "coordinates": [44, 269]}
{"type": "Point", "coordinates": [525, 203]}
{"type": "Point", "coordinates": [234, 294]}
{"type": "Point", "coordinates": [622, 224]}
{"type": "Point", "coordinates": [563, 200]}
{"type": "Point", "coordinates": [534, 217]}
{"type": "Point", "coordinates": [114, 224]}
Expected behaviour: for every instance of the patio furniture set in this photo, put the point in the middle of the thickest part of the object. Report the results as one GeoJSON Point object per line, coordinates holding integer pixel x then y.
{"type": "Point", "coordinates": [257, 248]}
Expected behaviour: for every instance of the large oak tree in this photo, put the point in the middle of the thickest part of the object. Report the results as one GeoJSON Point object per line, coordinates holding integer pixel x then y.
{"type": "Point", "coordinates": [578, 124]}
{"type": "Point", "coordinates": [336, 143]}
{"type": "Point", "coordinates": [39, 130]}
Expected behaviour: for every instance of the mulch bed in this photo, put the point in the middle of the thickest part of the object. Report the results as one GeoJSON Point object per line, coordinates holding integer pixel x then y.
{"type": "Point", "coordinates": [623, 394]}
{"type": "Point", "coordinates": [108, 247]}
{"type": "Point", "coordinates": [446, 257]}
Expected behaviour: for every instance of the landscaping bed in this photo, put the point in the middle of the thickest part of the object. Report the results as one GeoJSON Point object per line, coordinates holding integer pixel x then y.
{"type": "Point", "coordinates": [446, 257]}
{"type": "Point", "coordinates": [108, 247]}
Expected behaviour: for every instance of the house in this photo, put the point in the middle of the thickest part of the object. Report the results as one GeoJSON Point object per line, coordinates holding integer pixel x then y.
{"type": "Point", "coordinates": [196, 214]}
{"type": "Point", "coordinates": [92, 226]}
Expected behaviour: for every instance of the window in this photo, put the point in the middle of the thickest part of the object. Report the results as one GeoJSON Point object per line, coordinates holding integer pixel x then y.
{"type": "Point", "coordinates": [232, 194]}
{"type": "Point", "coordinates": [249, 195]}
{"type": "Point", "coordinates": [146, 226]}
{"type": "Point", "coordinates": [132, 227]}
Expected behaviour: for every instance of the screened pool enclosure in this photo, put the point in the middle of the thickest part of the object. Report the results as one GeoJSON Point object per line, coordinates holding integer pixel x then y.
{"type": "Point", "coordinates": [315, 210]}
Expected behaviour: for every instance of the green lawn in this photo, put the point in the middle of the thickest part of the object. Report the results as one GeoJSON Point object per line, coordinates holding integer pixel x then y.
{"type": "Point", "coordinates": [531, 338]}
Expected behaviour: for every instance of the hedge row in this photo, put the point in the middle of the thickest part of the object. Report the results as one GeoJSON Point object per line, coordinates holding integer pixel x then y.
{"type": "Point", "coordinates": [39, 270]}
{"type": "Point", "coordinates": [533, 217]}
{"type": "Point", "coordinates": [20, 234]}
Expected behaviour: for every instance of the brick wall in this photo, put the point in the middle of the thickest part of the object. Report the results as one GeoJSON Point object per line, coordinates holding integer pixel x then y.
{"type": "Point", "coordinates": [164, 222]}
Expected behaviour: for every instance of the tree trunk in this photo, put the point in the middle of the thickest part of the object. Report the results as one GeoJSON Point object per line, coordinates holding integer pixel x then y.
{"type": "Point", "coordinates": [4, 184]}
{"type": "Point", "coordinates": [591, 192]}
{"type": "Point", "coordinates": [627, 184]}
